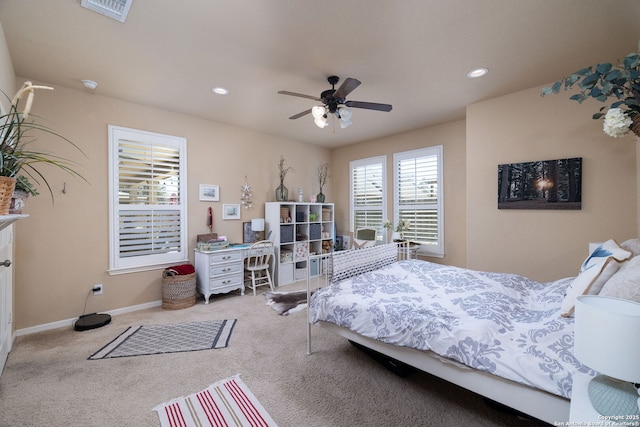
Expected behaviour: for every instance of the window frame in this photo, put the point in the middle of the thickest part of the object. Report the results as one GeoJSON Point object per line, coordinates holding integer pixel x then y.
{"type": "Point", "coordinates": [353, 165]}
{"type": "Point", "coordinates": [434, 250]}
{"type": "Point", "coordinates": [119, 264]}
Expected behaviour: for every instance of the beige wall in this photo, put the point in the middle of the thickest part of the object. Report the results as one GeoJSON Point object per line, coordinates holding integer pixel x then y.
{"type": "Point", "coordinates": [63, 249]}
{"type": "Point", "coordinates": [7, 75]}
{"type": "Point", "coordinates": [544, 245]}
{"type": "Point", "coordinates": [452, 137]}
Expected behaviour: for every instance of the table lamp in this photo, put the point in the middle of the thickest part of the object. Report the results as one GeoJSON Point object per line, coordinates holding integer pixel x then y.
{"type": "Point", "coordinates": [607, 339]}
{"type": "Point", "coordinates": [257, 226]}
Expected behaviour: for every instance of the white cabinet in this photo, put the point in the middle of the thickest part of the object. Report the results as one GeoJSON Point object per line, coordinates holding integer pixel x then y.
{"type": "Point", "coordinates": [219, 271]}
{"type": "Point", "coordinates": [6, 292]}
{"type": "Point", "coordinates": [297, 231]}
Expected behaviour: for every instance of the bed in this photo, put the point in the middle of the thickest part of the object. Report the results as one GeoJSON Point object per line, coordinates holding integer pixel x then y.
{"type": "Point", "coordinates": [499, 335]}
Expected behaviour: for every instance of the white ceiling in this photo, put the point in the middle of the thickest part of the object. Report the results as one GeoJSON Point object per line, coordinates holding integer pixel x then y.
{"type": "Point", "coordinates": [413, 54]}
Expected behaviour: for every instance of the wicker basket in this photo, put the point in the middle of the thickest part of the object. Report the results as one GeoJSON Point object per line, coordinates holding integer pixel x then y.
{"type": "Point", "coordinates": [178, 291]}
{"type": "Point", "coordinates": [6, 192]}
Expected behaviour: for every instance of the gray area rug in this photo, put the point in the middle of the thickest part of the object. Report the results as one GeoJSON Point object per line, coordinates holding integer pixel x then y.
{"type": "Point", "coordinates": [285, 303]}
{"type": "Point", "coordinates": [173, 338]}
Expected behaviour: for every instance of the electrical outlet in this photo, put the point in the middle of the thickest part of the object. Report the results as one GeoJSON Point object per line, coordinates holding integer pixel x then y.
{"type": "Point", "coordinates": [97, 289]}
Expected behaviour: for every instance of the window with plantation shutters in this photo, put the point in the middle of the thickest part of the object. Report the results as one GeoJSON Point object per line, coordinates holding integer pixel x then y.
{"type": "Point", "coordinates": [418, 197]}
{"type": "Point", "coordinates": [368, 194]}
{"type": "Point", "coordinates": [147, 199]}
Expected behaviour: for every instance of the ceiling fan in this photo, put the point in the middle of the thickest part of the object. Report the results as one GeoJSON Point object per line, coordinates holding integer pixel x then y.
{"type": "Point", "coordinates": [334, 102]}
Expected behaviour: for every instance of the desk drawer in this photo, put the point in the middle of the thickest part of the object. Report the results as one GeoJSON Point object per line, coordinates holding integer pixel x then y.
{"type": "Point", "coordinates": [225, 257]}
{"type": "Point", "coordinates": [223, 282]}
{"type": "Point", "coordinates": [219, 270]}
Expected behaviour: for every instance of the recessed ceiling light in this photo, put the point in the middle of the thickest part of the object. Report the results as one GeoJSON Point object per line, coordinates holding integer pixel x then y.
{"type": "Point", "coordinates": [89, 84]}
{"type": "Point", "coordinates": [478, 72]}
{"type": "Point", "coordinates": [220, 90]}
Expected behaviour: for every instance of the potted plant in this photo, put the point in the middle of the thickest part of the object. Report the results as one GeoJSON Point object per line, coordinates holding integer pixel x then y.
{"type": "Point", "coordinates": [620, 82]}
{"type": "Point", "coordinates": [402, 226]}
{"type": "Point", "coordinates": [323, 174]}
{"type": "Point", "coordinates": [18, 157]}
{"type": "Point", "coordinates": [282, 192]}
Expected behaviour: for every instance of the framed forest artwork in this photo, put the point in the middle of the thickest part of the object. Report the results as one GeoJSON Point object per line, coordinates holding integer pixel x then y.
{"type": "Point", "coordinates": [547, 184]}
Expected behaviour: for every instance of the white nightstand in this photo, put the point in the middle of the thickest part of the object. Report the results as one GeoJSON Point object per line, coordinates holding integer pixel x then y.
{"type": "Point", "coordinates": [581, 409]}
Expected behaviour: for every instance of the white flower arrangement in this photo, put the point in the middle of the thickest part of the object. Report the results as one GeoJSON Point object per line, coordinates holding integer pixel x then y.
{"type": "Point", "coordinates": [616, 123]}
{"type": "Point", "coordinates": [387, 224]}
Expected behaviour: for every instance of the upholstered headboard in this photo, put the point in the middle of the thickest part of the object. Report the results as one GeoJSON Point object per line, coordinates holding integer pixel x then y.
{"type": "Point", "coordinates": [345, 264]}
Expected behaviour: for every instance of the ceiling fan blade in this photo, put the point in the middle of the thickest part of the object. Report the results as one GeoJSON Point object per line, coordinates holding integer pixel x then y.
{"type": "Point", "coordinates": [346, 88]}
{"type": "Point", "coordinates": [297, 116]}
{"type": "Point", "coordinates": [286, 92]}
{"type": "Point", "coordinates": [368, 105]}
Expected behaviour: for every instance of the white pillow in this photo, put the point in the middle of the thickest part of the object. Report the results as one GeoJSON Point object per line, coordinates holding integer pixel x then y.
{"type": "Point", "coordinates": [631, 245]}
{"type": "Point", "coordinates": [625, 283]}
{"type": "Point", "coordinates": [599, 266]}
{"type": "Point", "coordinates": [360, 243]}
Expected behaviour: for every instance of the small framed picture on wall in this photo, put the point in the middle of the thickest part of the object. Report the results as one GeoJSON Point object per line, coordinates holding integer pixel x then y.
{"type": "Point", "coordinates": [231, 211]}
{"type": "Point", "coordinates": [209, 193]}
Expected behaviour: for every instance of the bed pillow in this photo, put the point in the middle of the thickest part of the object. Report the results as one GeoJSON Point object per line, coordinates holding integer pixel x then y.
{"type": "Point", "coordinates": [631, 245]}
{"type": "Point", "coordinates": [600, 265]}
{"type": "Point", "coordinates": [625, 283]}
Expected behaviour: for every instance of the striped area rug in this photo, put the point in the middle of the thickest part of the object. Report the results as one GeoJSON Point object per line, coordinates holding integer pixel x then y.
{"type": "Point", "coordinates": [226, 403]}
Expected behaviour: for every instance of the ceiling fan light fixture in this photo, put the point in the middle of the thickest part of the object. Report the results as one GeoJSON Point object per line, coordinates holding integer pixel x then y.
{"type": "Point", "coordinates": [344, 113]}
{"type": "Point", "coordinates": [317, 111]}
{"type": "Point", "coordinates": [321, 122]}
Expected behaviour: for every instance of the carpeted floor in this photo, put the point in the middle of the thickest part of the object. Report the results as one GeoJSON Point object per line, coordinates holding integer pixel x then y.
{"type": "Point", "coordinates": [49, 381]}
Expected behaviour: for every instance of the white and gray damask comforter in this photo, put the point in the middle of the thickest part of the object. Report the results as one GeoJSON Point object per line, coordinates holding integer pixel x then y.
{"type": "Point", "coordinates": [504, 324]}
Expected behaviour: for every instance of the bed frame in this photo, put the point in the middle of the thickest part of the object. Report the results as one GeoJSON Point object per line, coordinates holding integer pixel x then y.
{"type": "Point", "coordinates": [531, 401]}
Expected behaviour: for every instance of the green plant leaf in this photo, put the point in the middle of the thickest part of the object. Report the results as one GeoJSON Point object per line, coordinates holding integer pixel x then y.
{"type": "Point", "coordinates": [573, 78]}
{"type": "Point", "coordinates": [603, 68]}
{"type": "Point", "coordinates": [546, 91]}
{"type": "Point", "coordinates": [589, 81]}
{"type": "Point", "coordinates": [632, 60]}
{"type": "Point", "coordinates": [596, 116]}
{"type": "Point", "coordinates": [612, 75]}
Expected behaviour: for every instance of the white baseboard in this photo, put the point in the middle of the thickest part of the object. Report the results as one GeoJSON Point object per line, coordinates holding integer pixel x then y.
{"type": "Point", "coordinates": [70, 322]}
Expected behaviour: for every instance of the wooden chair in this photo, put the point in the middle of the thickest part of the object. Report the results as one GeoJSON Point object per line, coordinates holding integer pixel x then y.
{"type": "Point", "coordinates": [365, 237]}
{"type": "Point", "coordinates": [257, 264]}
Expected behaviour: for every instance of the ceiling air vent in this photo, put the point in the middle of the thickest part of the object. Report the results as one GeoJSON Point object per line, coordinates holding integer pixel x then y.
{"type": "Point", "coordinates": [116, 9]}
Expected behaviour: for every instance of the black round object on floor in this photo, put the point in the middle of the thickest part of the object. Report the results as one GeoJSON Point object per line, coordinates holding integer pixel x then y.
{"type": "Point", "coordinates": [92, 321]}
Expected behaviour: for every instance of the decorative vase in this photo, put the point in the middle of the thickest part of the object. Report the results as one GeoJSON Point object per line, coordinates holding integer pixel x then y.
{"type": "Point", "coordinates": [7, 186]}
{"type": "Point", "coordinates": [282, 193]}
{"type": "Point", "coordinates": [320, 197]}
{"type": "Point", "coordinates": [396, 235]}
